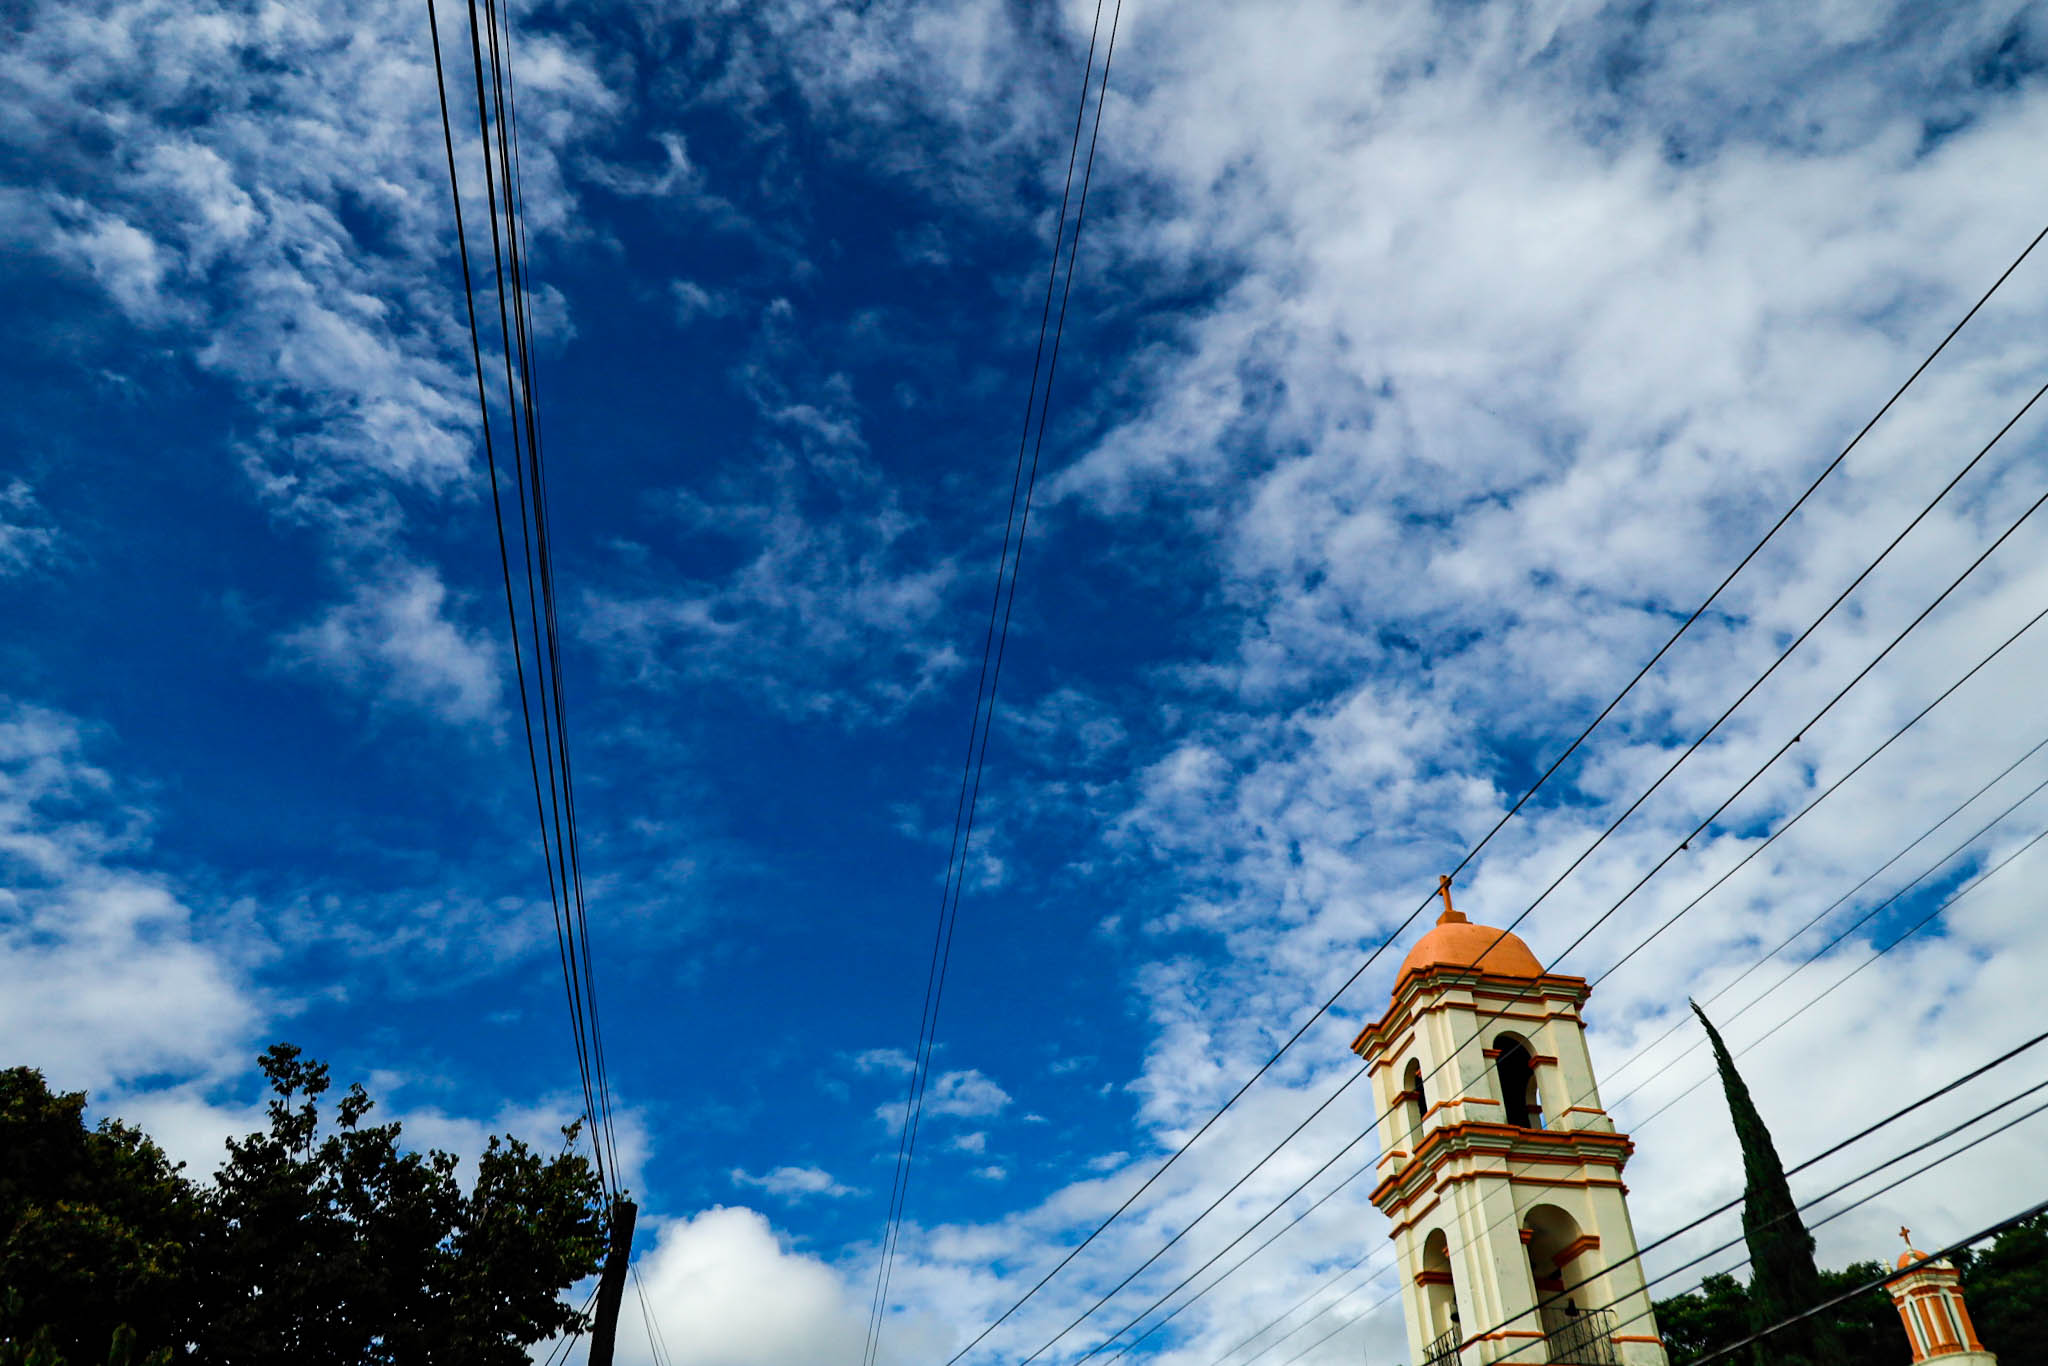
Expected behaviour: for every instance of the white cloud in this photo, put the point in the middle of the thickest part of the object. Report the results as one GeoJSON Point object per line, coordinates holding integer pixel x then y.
{"type": "Point", "coordinates": [888, 1061]}
{"type": "Point", "coordinates": [27, 539]}
{"type": "Point", "coordinates": [107, 972]}
{"type": "Point", "coordinates": [842, 615]}
{"type": "Point", "coordinates": [265, 190]}
{"type": "Point", "coordinates": [727, 1293]}
{"type": "Point", "coordinates": [794, 1183]}
{"type": "Point", "coordinates": [395, 638]}
{"type": "Point", "coordinates": [1515, 333]}
{"type": "Point", "coordinates": [966, 1093]}
{"type": "Point", "coordinates": [968, 1143]}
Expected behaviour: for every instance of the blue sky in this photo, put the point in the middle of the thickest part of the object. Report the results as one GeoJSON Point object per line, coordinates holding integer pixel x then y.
{"type": "Point", "coordinates": [1427, 363]}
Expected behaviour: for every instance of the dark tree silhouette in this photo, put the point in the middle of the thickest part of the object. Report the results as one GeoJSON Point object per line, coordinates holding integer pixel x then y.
{"type": "Point", "coordinates": [1783, 1278]}
{"type": "Point", "coordinates": [320, 1242]}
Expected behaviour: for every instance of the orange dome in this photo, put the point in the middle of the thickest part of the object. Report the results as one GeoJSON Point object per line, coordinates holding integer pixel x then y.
{"type": "Point", "coordinates": [1458, 942]}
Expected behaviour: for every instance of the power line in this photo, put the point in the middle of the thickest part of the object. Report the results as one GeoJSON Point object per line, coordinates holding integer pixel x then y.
{"type": "Point", "coordinates": [1683, 844]}
{"type": "Point", "coordinates": [1875, 910]}
{"type": "Point", "coordinates": [1805, 1205]}
{"type": "Point", "coordinates": [1362, 1170]}
{"type": "Point", "coordinates": [1474, 851]}
{"type": "Point", "coordinates": [553, 798]}
{"type": "Point", "coordinates": [657, 1342]}
{"type": "Point", "coordinates": [1876, 1282]}
{"type": "Point", "coordinates": [995, 643]}
{"type": "Point", "coordinates": [1637, 1128]}
{"type": "Point", "coordinates": [1758, 848]}
{"type": "Point", "coordinates": [1901, 938]}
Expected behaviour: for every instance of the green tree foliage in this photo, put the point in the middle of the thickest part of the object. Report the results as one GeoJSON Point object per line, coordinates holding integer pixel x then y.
{"type": "Point", "coordinates": [321, 1241]}
{"type": "Point", "coordinates": [1784, 1279]}
{"type": "Point", "coordinates": [97, 1226]}
{"type": "Point", "coordinates": [2005, 1286]}
{"type": "Point", "coordinates": [1710, 1317]}
{"type": "Point", "coordinates": [1721, 1312]}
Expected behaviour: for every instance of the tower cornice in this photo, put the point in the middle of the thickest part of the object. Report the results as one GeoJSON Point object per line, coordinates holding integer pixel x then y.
{"type": "Point", "coordinates": [1448, 986]}
{"type": "Point", "coordinates": [1474, 1150]}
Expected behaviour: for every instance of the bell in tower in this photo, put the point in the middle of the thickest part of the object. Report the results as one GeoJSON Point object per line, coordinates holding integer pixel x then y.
{"type": "Point", "coordinates": [1498, 1167]}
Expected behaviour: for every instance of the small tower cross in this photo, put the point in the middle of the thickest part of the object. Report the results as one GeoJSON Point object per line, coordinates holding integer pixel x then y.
{"type": "Point", "coordinates": [1906, 1235]}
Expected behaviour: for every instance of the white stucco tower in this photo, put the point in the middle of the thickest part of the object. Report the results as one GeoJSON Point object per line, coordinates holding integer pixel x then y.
{"type": "Point", "coordinates": [1501, 1172]}
{"type": "Point", "coordinates": [1930, 1304]}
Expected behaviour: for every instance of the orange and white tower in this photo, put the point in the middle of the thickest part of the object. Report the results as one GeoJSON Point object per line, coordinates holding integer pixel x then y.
{"type": "Point", "coordinates": [1501, 1172]}
{"type": "Point", "coordinates": [1930, 1304]}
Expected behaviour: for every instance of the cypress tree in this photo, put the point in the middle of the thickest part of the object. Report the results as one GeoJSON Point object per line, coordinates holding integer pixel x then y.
{"type": "Point", "coordinates": [1783, 1278]}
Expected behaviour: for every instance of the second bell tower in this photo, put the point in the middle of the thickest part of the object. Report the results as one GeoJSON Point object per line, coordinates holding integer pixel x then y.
{"type": "Point", "coordinates": [1498, 1166]}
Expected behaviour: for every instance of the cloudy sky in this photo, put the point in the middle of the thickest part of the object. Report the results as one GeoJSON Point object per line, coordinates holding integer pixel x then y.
{"type": "Point", "coordinates": [1428, 363]}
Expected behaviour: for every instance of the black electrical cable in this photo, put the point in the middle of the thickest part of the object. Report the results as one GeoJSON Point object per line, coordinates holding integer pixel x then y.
{"type": "Point", "coordinates": [1806, 1205]}
{"type": "Point", "coordinates": [1753, 852]}
{"type": "Point", "coordinates": [983, 721]}
{"type": "Point", "coordinates": [1810, 1203]}
{"type": "Point", "coordinates": [1877, 1282]}
{"type": "Point", "coordinates": [568, 835]}
{"type": "Point", "coordinates": [1474, 851]}
{"type": "Point", "coordinates": [1823, 914]}
{"type": "Point", "coordinates": [563, 1346]}
{"type": "Point", "coordinates": [1950, 901]}
{"type": "Point", "coordinates": [1703, 825]}
{"type": "Point", "coordinates": [657, 1342]}
{"type": "Point", "coordinates": [1872, 913]}
{"type": "Point", "coordinates": [504, 560]}
{"type": "Point", "coordinates": [1901, 938]}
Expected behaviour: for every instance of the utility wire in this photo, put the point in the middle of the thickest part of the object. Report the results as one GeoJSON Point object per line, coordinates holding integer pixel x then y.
{"type": "Point", "coordinates": [1875, 910]}
{"type": "Point", "coordinates": [1740, 1052]}
{"type": "Point", "coordinates": [1877, 1282]}
{"type": "Point", "coordinates": [1755, 850]}
{"type": "Point", "coordinates": [1645, 1123]}
{"type": "Point", "coordinates": [539, 560]}
{"type": "Point", "coordinates": [657, 1343]}
{"type": "Point", "coordinates": [1804, 1205]}
{"type": "Point", "coordinates": [1685, 843]}
{"type": "Point", "coordinates": [565, 1344]}
{"type": "Point", "coordinates": [1474, 851]}
{"type": "Point", "coordinates": [1688, 1091]}
{"type": "Point", "coordinates": [994, 646]}
{"type": "Point", "coordinates": [559, 841]}
{"type": "Point", "coordinates": [1901, 938]}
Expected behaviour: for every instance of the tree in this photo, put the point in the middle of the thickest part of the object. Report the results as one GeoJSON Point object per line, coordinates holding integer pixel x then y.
{"type": "Point", "coordinates": [97, 1227]}
{"type": "Point", "coordinates": [1783, 1278]}
{"type": "Point", "coordinates": [1719, 1313]}
{"type": "Point", "coordinates": [1706, 1319]}
{"type": "Point", "coordinates": [321, 1241]}
{"type": "Point", "coordinates": [2006, 1287]}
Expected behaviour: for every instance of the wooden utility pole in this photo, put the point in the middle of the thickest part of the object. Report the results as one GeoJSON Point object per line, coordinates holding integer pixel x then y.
{"type": "Point", "coordinates": [611, 1284]}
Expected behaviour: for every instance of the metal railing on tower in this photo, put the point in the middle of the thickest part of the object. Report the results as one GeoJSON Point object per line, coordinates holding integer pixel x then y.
{"type": "Point", "coordinates": [1580, 1338]}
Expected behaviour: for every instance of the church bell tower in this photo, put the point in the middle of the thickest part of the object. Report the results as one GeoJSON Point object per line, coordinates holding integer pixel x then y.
{"type": "Point", "coordinates": [1498, 1167]}
{"type": "Point", "coordinates": [1930, 1304]}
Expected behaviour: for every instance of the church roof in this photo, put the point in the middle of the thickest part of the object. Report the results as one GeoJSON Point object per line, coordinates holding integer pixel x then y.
{"type": "Point", "coordinates": [1457, 942]}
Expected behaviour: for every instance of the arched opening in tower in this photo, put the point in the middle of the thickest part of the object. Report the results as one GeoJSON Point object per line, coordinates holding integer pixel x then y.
{"type": "Point", "coordinates": [1439, 1291]}
{"type": "Point", "coordinates": [1515, 1068]}
{"type": "Point", "coordinates": [1561, 1267]}
{"type": "Point", "coordinates": [1417, 1106]}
